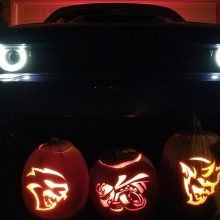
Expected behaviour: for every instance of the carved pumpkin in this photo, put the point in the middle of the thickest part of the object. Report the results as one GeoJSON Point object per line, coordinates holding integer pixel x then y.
{"type": "Point", "coordinates": [123, 184]}
{"type": "Point", "coordinates": [55, 180]}
{"type": "Point", "coordinates": [190, 173]}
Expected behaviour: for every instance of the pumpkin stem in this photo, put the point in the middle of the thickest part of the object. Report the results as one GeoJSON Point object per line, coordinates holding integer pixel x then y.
{"type": "Point", "coordinates": [53, 141]}
{"type": "Point", "coordinates": [124, 152]}
{"type": "Point", "coordinates": [196, 124]}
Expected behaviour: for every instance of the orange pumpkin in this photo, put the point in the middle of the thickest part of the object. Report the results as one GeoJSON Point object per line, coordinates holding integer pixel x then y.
{"type": "Point", "coordinates": [123, 185]}
{"type": "Point", "coordinates": [190, 173]}
{"type": "Point", "coordinates": [55, 180]}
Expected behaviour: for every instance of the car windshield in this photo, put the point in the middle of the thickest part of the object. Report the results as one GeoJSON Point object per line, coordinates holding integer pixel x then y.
{"type": "Point", "coordinates": [115, 13]}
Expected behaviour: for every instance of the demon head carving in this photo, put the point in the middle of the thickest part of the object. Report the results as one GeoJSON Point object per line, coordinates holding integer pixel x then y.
{"type": "Point", "coordinates": [200, 184]}
{"type": "Point", "coordinates": [125, 194]}
{"type": "Point", "coordinates": [48, 187]}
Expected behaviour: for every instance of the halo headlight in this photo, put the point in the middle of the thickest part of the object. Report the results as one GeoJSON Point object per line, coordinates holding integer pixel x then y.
{"type": "Point", "coordinates": [13, 57]}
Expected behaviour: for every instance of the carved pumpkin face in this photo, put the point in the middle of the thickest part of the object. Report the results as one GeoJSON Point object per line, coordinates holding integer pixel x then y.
{"type": "Point", "coordinates": [48, 193]}
{"type": "Point", "coordinates": [200, 183]}
{"type": "Point", "coordinates": [127, 187]}
{"type": "Point", "coordinates": [190, 174]}
{"type": "Point", "coordinates": [55, 181]}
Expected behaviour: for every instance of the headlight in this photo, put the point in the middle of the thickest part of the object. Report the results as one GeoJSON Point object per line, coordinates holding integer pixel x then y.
{"type": "Point", "coordinates": [217, 56]}
{"type": "Point", "coordinates": [13, 57]}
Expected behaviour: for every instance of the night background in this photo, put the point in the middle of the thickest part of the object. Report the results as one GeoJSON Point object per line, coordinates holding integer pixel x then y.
{"type": "Point", "coordinates": [101, 115]}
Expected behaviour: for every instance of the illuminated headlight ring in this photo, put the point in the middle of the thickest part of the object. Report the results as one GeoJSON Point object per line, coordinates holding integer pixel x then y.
{"type": "Point", "coordinates": [217, 56]}
{"type": "Point", "coordinates": [13, 57]}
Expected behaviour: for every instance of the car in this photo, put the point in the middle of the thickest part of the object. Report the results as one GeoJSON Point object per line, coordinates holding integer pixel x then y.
{"type": "Point", "coordinates": [104, 76]}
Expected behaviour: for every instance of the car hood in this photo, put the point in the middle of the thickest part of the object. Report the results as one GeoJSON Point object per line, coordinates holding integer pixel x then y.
{"type": "Point", "coordinates": [195, 33]}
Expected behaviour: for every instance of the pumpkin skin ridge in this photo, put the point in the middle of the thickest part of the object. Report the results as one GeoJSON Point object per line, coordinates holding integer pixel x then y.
{"type": "Point", "coordinates": [59, 146]}
{"type": "Point", "coordinates": [216, 151]}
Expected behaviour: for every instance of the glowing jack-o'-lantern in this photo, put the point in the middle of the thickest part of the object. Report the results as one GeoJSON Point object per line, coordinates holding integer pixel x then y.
{"type": "Point", "coordinates": [55, 180]}
{"type": "Point", "coordinates": [47, 194]}
{"type": "Point", "coordinates": [123, 183]}
{"type": "Point", "coordinates": [196, 182]}
{"type": "Point", "coordinates": [189, 174]}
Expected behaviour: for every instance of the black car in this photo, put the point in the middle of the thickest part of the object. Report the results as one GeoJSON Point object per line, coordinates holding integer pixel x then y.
{"type": "Point", "coordinates": [104, 76]}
